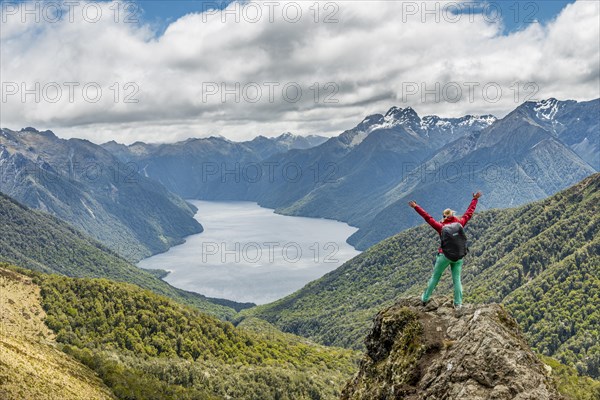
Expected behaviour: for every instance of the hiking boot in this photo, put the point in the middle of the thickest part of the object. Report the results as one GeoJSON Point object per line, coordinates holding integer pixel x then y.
{"type": "Point", "coordinates": [458, 310]}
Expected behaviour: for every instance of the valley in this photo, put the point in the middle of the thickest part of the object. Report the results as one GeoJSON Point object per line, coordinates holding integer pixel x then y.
{"type": "Point", "coordinates": [234, 200]}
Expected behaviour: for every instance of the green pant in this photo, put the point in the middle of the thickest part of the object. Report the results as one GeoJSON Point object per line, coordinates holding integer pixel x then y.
{"type": "Point", "coordinates": [441, 262]}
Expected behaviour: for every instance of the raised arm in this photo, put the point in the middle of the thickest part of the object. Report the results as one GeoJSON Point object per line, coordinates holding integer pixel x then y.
{"type": "Point", "coordinates": [469, 213]}
{"type": "Point", "coordinates": [428, 218]}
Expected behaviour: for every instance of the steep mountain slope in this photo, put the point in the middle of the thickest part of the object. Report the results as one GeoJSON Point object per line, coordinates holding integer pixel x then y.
{"type": "Point", "coordinates": [342, 178]}
{"type": "Point", "coordinates": [41, 242]}
{"type": "Point", "coordinates": [83, 184]}
{"type": "Point", "coordinates": [338, 179]}
{"type": "Point", "coordinates": [541, 260]}
{"type": "Point", "coordinates": [576, 124]}
{"type": "Point", "coordinates": [146, 346]}
{"type": "Point", "coordinates": [514, 161]}
{"type": "Point", "coordinates": [31, 367]}
{"type": "Point", "coordinates": [346, 177]}
{"type": "Point", "coordinates": [434, 353]}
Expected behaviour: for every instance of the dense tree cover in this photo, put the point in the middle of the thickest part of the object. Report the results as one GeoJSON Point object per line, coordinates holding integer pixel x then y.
{"type": "Point", "coordinates": [540, 259]}
{"type": "Point", "coordinates": [154, 378]}
{"type": "Point", "coordinates": [570, 384]}
{"type": "Point", "coordinates": [43, 243]}
{"type": "Point", "coordinates": [560, 311]}
{"type": "Point", "coordinates": [146, 346]}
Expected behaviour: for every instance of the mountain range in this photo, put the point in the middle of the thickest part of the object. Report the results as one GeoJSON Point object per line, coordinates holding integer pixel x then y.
{"type": "Point", "coordinates": [514, 161]}
{"type": "Point", "coordinates": [365, 175]}
{"type": "Point", "coordinates": [362, 177]}
{"type": "Point", "coordinates": [207, 168]}
{"type": "Point", "coordinates": [85, 185]}
{"type": "Point", "coordinates": [306, 178]}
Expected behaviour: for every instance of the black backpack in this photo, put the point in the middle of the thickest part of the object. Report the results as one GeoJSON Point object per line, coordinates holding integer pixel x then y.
{"type": "Point", "coordinates": [454, 241]}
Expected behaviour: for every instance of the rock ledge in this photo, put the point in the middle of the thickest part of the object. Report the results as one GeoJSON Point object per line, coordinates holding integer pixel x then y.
{"type": "Point", "coordinates": [434, 352]}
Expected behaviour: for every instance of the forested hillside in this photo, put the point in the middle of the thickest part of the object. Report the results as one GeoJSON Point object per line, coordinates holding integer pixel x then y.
{"type": "Point", "coordinates": [541, 260]}
{"type": "Point", "coordinates": [86, 186]}
{"type": "Point", "coordinates": [145, 346]}
{"type": "Point", "coordinates": [31, 367]}
{"type": "Point", "coordinates": [41, 242]}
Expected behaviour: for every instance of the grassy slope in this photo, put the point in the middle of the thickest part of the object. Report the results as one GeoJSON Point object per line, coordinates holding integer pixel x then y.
{"type": "Point", "coordinates": [41, 242]}
{"type": "Point", "coordinates": [146, 346]}
{"type": "Point", "coordinates": [31, 367]}
{"type": "Point", "coordinates": [540, 259]}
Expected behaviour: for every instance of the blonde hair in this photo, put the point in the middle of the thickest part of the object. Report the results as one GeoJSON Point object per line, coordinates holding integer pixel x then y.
{"type": "Point", "coordinates": [448, 211]}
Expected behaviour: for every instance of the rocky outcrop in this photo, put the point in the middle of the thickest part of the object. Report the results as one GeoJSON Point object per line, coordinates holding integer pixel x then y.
{"type": "Point", "coordinates": [434, 352]}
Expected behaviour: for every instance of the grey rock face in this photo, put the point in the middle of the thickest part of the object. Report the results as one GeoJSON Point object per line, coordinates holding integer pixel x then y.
{"type": "Point", "coordinates": [434, 352]}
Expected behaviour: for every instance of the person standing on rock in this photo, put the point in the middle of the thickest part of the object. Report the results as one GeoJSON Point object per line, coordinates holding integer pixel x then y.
{"type": "Point", "coordinates": [452, 250]}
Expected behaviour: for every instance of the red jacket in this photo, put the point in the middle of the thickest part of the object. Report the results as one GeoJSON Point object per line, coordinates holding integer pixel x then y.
{"type": "Point", "coordinates": [438, 225]}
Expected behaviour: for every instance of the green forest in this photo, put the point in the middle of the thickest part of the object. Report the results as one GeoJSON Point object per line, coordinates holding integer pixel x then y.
{"type": "Point", "coordinates": [146, 346]}
{"type": "Point", "coordinates": [41, 242]}
{"type": "Point", "coordinates": [541, 260]}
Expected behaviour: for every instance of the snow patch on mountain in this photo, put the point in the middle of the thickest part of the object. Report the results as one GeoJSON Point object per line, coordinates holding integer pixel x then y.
{"type": "Point", "coordinates": [359, 137]}
{"type": "Point", "coordinates": [546, 109]}
{"type": "Point", "coordinates": [426, 127]}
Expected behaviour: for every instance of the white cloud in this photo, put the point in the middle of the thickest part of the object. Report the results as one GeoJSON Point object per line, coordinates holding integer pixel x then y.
{"type": "Point", "coordinates": [374, 53]}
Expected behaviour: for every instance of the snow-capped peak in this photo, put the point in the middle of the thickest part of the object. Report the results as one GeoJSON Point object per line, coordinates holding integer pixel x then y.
{"type": "Point", "coordinates": [401, 114]}
{"type": "Point", "coordinates": [546, 109]}
{"type": "Point", "coordinates": [470, 120]}
{"type": "Point", "coordinates": [394, 117]}
{"type": "Point", "coordinates": [425, 127]}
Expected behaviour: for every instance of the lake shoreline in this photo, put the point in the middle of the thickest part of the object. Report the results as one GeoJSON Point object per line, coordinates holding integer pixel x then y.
{"type": "Point", "coordinates": [248, 253]}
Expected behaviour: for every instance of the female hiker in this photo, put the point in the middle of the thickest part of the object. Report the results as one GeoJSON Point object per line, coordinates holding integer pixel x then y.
{"type": "Point", "coordinates": [453, 249]}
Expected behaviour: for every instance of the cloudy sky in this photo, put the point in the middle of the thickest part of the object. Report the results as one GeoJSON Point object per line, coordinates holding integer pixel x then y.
{"type": "Point", "coordinates": [164, 71]}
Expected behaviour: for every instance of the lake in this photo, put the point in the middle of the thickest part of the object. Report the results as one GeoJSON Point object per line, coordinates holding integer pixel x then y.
{"type": "Point", "coordinates": [250, 254]}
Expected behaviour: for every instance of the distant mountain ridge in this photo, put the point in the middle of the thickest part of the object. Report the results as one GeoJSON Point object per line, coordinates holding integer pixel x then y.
{"type": "Point", "coordinates": [365, 175]}
{"type": "Point", "coordinates": [514, 161]}
{"type": "Point", "coordinates": [211, 168]}
{"type": "Point", "coordinates": [262, 145]}
{"type": "Point", "coordinates": [577, 124]}
{"type": "Point", "coordinates": [84, 184]}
